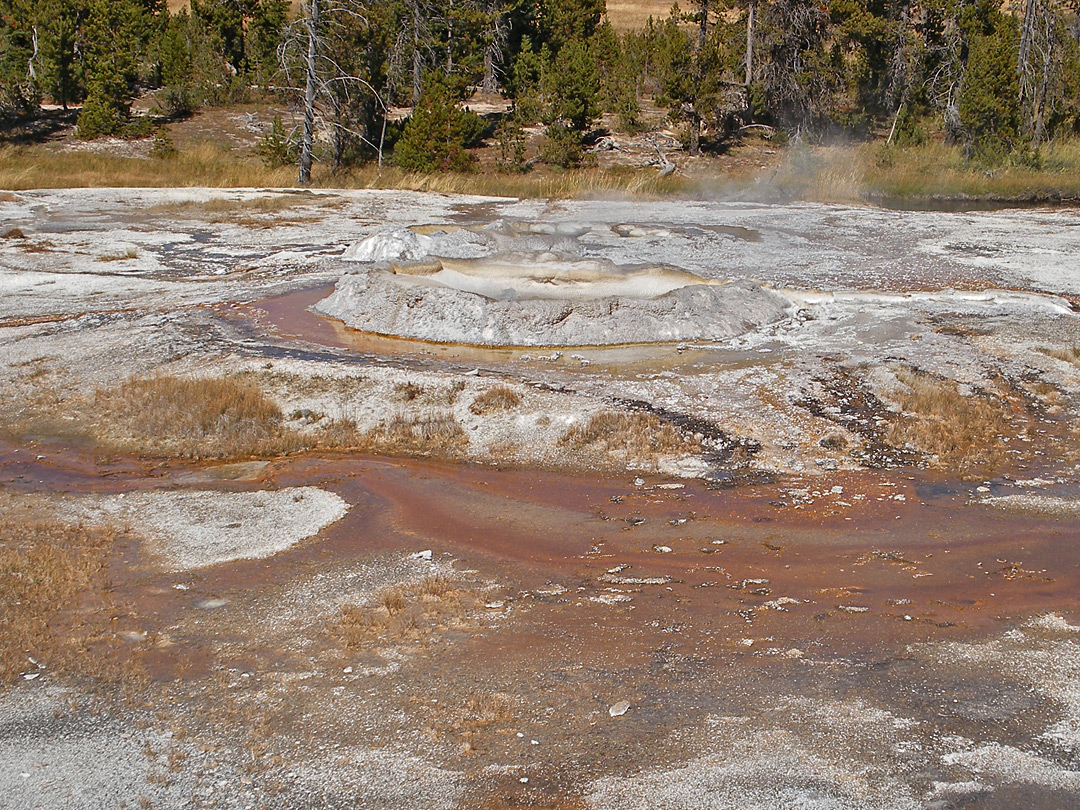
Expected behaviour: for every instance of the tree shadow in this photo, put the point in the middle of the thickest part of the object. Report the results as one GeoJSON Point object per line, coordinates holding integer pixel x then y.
{"type": "Point", "coordinates": [43, 126]}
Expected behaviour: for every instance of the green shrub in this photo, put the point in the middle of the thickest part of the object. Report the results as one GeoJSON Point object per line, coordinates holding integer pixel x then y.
{"type": "Point", "coordinates": [562, 146]}
{"type": "Point", "coordinates": [278, 147]}
{"type": "Point", "coordinates": [511, 138]}
{"type": "Point", "coordinates": [438, 134]}
{"type": "Point", "coordinates": [163, 146]}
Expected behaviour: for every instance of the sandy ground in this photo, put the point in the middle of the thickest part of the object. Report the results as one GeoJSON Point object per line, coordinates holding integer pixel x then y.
{"type": "Point", "coordinates": [842, 629]}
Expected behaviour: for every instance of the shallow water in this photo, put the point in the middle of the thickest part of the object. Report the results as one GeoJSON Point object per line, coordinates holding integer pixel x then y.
{"type": "Point", "coordinates": [869, 639]}
{"type": "Point", "coordinates": [289, 316]}
{"type": "Point", "coordinates": [683, 600]}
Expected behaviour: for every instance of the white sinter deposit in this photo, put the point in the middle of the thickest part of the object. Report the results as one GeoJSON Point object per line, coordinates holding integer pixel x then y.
{"type": "Point", "coordinates": [534, 289]}
{"type": "Point", "coordinates": [192, 529]}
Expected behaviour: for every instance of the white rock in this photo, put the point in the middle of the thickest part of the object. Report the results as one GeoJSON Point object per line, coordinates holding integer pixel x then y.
{"type": "Point", "coordinates": [619, 709]}
{"type": "Point", "coordinates": [390, 244]}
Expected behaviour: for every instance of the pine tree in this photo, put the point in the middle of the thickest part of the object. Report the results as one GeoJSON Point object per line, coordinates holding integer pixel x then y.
{"type": "Point", "coordinates": [689, 68]}
{"type": "Point", "coordinates": [438, 134]}
{"type": "Point", "coordinates": [266, 30]}
{"type": "Point", "coordinates": [115, 34]}
{"type": "Point", "coordinates": [989, 104]}
{"type": "Point", "coordinates": [20, 85]}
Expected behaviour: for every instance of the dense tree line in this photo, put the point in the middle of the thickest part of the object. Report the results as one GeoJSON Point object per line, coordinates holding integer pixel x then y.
{"type": "Point", "coordinates": [999, 78]}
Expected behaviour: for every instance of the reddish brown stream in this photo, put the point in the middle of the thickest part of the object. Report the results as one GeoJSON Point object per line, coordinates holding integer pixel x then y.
{"type": "Point", "coordinates": [680, 599]}
{"type": "Point", "coordinates": [857, 586]}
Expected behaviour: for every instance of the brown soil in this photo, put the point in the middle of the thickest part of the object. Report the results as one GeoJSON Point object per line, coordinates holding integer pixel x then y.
{"type": "Point", "coordinates": [603, 591]}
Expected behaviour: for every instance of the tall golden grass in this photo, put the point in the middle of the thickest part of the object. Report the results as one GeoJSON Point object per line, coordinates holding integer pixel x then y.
{"type": "Point", "coordinates": [941, 170]}
{"type": "Point", "coordinates": [217, 417]}
{"type": "Point", "coordinates": [47, 569]}
{"type": "Point", "coordinates": [636, 437]}
{"type": "Point", "coordinates": [964, 433]}
{"type": "Point", "coordinates": [229, 417]}
{"type": "Point", "coordinates": [30, 167]}
{"type": "Point", "coordinates": [850, 173]}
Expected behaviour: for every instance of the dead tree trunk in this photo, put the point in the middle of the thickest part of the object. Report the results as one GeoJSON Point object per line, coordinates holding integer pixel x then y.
{"type": "Point", "coordinates": [450, 38]}
{"type": "Point", "coordinates": [1038, 126]}
{"type": "Point", "coordinates": [493, 52]}
{"type": "Point", "coordinates": [1037, 66]}
{"type": "Point", "coordinates": [699, 70]}
{"type": "Point", "coordinates": [1027, 35]}
{"type": "Point", "coordinates": [307, 140]}
{"type": "Point", "coordinates": [417, 61]}
{"type": "Point", "coordinates": [751, 14]}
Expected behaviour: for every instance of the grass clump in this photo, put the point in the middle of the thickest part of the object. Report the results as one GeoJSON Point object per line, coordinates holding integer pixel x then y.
{"type": "Point", "coordinates": [629, 436]}
{"type": "Point", "coordinates": [217, 417]}
{"type": "Point", "coordinates": [403, 613]}
{"type": "Point", "coordinates": [1070, 354]}
{"type": "Point", "coordinates": [119, 257]}
{"type": "Point", "coordinates": [263, 211]}
{"type": "Point", "coordinates": [48, 569]}
{"type": "Point", "coordinates": [487, 708]}
{"type": "Point", "coordinates": [962, 432]}
{"type": "Point", "coordinates": [495, 399]}
{"type": "Point", "coordinates": [426, 434]}
{"type": "Point", "coordinates": [408, 391]}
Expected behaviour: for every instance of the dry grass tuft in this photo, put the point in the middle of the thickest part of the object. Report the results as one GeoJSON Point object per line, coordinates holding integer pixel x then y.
{"type": "Point", "coordinates": [631, 436]}
{"type": "Point", "coordinates": [1044, 391]}
{"type": "Point", "coordinates": [13, 233]}
{"type": "Point", "coordinates": [488, 708]}
{"type": "Point", "coordinates": [436, 433]}
{"type": "Point", "coordinates": [47, 569]}
{"type": "Point", "coordinates": [496, 398]}
{"type": "Point", "coordinates": [43, 246]}
{"type": "Point", "coordinates": [406, 612]}
{"type": "Point", "coordinates": [219, 417]}
{"type": "Point", "coordinates": [119, 257]}
{"type": "Point", "coordinates": [271, 203]}
{"type": "Point", "coordinates": [408, 391]}
{"type": "Point", "coordinates": [961, 432]}
{"type": "Point", "coordinates": [1070, 354]}
{"type": "Point", "coordinates": [264, 211]}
